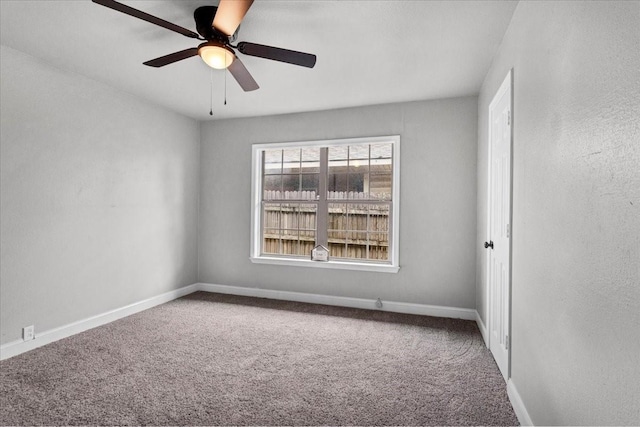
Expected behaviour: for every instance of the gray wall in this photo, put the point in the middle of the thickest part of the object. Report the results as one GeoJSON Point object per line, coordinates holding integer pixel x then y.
{"type": "Point", "coordinates": [576, 208]}
{"type": "Point", "coordinates": [99, 195]}
{"type": "Point", "coordinates": [438, 201]}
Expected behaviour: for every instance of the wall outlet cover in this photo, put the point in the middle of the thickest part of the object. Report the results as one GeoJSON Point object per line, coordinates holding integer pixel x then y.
{"type": "Point", "coordinates": [28, 333]}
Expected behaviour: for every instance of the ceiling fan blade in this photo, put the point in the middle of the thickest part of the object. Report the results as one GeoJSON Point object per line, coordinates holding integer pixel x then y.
{"type": "Point", "coordinates": [278, 54]}
{"type": "Point", "coordinates": [172, 57]}
{"type": "Point", "coordinates": [242, 76]}
{"type": "Point", "coordinates": [111, 4]}
{"type": "Point", "coordinates": [229, 15]}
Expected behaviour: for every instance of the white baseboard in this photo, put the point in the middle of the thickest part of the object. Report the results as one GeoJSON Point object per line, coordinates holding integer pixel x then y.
{"type": "Point", "coordinates": [369, 304]}
{"type": "Point", "coordinates": [16, 347]}
{"type": "Point", "coordinates": [518, 404]}
{"type": "Point", "coordinates": [512, 392]}
{"type": "Point", "coordinates": [483, 329]}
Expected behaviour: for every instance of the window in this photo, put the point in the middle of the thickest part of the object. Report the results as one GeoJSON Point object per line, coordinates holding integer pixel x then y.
{"type": "Point", "coordinates": [342, 194]}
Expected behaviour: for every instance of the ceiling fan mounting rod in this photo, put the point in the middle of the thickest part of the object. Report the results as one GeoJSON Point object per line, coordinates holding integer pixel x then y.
{"type": "Point", "coordinates": [204, 16]}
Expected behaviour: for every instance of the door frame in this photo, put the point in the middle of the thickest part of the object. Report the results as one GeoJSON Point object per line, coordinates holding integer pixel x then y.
{"type": "Point", "coordinates": [507, 84]}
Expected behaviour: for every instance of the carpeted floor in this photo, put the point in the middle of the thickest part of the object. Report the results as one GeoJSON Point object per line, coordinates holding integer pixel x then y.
{"type": "Point", "coordinates": [211, 359]}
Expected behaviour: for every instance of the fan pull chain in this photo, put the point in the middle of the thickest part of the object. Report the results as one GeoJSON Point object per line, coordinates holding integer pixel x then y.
{"type": "Point", "coordinates": [225, 79]}
{"type": "Point", "coordinates": [211, 93]}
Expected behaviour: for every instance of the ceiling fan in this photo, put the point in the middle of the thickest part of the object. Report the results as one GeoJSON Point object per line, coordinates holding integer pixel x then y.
{"type": "Point", "coordinates": [217, 27]}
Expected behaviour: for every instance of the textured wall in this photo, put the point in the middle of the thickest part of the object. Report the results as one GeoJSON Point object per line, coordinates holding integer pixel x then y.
{"type": "Point", "coordinates": [437, 212]}
{"type": "Point", "coordinates": [576, 208]}
{"type": "Point", "coordinates": [98, 197]}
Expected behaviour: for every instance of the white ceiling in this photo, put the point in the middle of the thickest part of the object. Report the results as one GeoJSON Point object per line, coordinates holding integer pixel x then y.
{"type": "Point", "coordinates": [369, 52]}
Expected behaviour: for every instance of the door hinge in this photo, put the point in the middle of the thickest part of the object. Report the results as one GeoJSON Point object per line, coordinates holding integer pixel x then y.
{"type": "Point", "coordinates": [509, 118]}
{"type": "Point", "coordinates": [507, 342]}
{"type": "Point", "coordinates": [508, 231]}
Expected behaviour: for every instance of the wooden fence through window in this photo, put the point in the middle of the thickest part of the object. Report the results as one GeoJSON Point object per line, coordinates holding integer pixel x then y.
{"type": "Point", "coordinates": [356, 230]}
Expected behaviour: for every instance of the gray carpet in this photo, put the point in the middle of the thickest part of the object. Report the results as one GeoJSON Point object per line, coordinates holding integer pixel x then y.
{"type": "Point", "coordinates": [210, 359]}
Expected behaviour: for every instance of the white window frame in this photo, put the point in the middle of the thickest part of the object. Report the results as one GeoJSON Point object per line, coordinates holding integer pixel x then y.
{"type": "Point", "coordinates": [392, 266]}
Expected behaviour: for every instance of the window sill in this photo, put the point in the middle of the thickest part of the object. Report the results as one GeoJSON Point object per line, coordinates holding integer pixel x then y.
{"type": "Point", "coordinates": [337, 265]}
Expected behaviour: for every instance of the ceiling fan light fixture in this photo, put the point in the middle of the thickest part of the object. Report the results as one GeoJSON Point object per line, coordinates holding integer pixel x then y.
{"type": "Point", "coordinates": [216, 55]}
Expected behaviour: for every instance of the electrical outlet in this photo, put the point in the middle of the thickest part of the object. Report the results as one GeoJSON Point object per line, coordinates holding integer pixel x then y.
{"type": "Point", "coordinates": [28, 333]}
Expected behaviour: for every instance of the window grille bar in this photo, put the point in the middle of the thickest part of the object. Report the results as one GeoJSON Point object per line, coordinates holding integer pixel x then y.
{"type": "Point", "coordinates": [323, 211]}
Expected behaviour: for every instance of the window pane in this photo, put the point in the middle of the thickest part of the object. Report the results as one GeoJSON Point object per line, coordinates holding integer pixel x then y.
{"type": "Point", "coordinates": [337, 182]}
{"type": "Point", "coordinates": [271, 228]}
{"type": "Point", "coordinates": [355, 250]}
{"type": "Point", "coordinates": [272, 232]}
{"type": "Point", "coordinates": [311, 154]}
{"type": "Point", "coordinates": [272, 156]}
{"type": "Point", "coordinates": [360, 177]}
{"type": "Point", "coordinates": [378, 231]}
{"type": "Point", "coordinates": [270, 245]}
{"type": "Point", "coordinates": [359, 152]}
{"type": "Point", "coordinates": [337, 223]}
{"type": "Point", "coordinates": [381, 151]}
{"type": "Point", "coordinates": [340, 152]}
{"type": "Point", "coordinates": [378, 239]}
{"type": "Point", "coordinates": [366, 235]}
{"type": "Point", "coordinates": [311, 160]}
{"type": "Point", "coordinates": [354, 227]}
{"type": "Point", "coordinates": [291, 155]}
{"type": "Point", "coordinates": [291, 183]}
{"type": "Point", "coordinates": [291, 160]}
{"type": "Point", "coordinates": [291, 168]}
{"type": "Point", "coordinates": [307, 218]}
{"type": "Point", "coordinates": [311, 183]}
{"type": "Point", "coordinates": [355, 185]}
{"type": "Point", "coordinates": [381, 159]}
{"type": "Point", "coordinates": [272, 161]}
{"type": "Point", "coordinates": [271, 216]}
{"type": "Point", "coordinates": [271, 242]}
{"type": "Point", "coordinates": [287, 215]}
{"type": "Point", "coordinates": [306, 246]}
{"type": "Point", "coordinates": [380, 166]}
{"type": "Point", "coordinates": [272, 183]}
{"type": "Point", "coordinates": [379, 217]}
{"type": "Point", "coordinates": [336, 250]}
{"type": "Point", "coordinates": [357, 217]}
{"type": "Point", "coordinates": [379, 253]}
{"type": "Point", "coordinates": [358, 166]}
{"type": "Point", "coordinates": [290, 246]}
{"type": "Point", "coordinates": [310, 167]}
{"type": "Point", "coordinates": [306, 228]}
{"type": "Point", "coordinates": [289, 233]}
{"type": "Point", "coordinates": [380, 186]}
{"type": "Point", "coordinates": [289, 228]}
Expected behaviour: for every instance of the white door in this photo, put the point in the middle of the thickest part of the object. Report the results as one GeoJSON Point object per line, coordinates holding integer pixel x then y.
{"type": "Point", "coordinates": [499, 225]}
